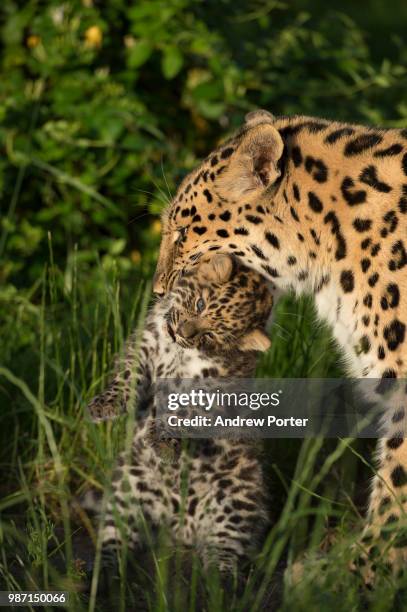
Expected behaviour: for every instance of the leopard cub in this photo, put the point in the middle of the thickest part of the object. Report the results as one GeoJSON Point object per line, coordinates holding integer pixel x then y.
{"type": "Point", "coordinates": [207, 493]}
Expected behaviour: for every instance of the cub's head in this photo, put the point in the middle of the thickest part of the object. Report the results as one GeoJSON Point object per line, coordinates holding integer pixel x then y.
{"type": "Point", "coordinates": [219, 305]}
{"type": "Point", "coordinates": [221, 204]}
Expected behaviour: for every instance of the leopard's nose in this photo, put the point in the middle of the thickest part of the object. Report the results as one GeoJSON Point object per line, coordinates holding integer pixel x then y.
{"type": "Point", "coordinates": [187, 329]}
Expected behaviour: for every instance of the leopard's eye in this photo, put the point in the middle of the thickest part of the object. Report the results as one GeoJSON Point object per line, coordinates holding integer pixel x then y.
{"type": "Point", "coordinates": [200, 305]}
{"type": "Point", "coordinates": [182, 232]}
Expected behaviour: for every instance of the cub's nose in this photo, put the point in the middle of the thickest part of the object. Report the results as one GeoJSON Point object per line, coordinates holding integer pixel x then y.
{"type": "Point", "coordinates": [187, 329]}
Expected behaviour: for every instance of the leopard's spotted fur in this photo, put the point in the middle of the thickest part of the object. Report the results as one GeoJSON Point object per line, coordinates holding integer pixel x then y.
{"type": "Point", "coordinates": [316, 206]}
{"type": "Point", "coordinates": [210, 325]}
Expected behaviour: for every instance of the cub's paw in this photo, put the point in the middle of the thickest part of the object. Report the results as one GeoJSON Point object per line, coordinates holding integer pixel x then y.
{"type": "Point", "coordinates": [167, 449]}
{"type": "Point", "coordinates": [104, 407]}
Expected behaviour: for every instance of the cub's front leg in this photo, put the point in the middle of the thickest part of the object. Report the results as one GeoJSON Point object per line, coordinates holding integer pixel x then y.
{"type": "Point", "coordinates": [132, 381]}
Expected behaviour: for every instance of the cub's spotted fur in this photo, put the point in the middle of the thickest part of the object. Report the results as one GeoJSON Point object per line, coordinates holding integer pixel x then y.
{"type": "Point", "coordinates": [316, 206]}
{"type": "Point", "coordinates": [210, 324]}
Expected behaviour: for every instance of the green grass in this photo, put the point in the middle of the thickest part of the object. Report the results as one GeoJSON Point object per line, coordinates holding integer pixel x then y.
{"type": "Point", "coordinates": [58, 352]}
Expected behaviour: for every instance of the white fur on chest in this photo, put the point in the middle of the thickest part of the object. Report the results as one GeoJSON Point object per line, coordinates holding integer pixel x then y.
{"type": "Point", "coordinates": [339, 313]}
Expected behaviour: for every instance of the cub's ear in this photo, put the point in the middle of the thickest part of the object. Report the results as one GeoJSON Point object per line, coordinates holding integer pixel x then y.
{"type": "Point", "coordinates": [255, 340]}
{"type": "Point", "coordinates": [218, 269]}
{"type": "Point", "coordinates": [253, 167]}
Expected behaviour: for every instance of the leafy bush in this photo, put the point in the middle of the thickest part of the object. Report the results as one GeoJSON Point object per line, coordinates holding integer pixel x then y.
{"type": "Point", "coordinates": [103, 109]}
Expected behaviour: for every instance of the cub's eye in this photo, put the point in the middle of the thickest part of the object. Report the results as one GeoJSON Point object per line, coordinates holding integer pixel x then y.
{"type": "Point", "coordinates": [182, 232]}
{"type": "Point", "coordinates": [200, 305]}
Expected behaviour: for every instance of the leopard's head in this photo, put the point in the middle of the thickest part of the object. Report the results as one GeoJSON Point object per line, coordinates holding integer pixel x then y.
{"type": "Point", "coordinates": [219, 305]}
{"type": "Point", "coordinates": [216, 198]}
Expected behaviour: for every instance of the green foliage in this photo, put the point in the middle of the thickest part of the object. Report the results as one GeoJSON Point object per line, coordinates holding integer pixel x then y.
{"type": "Point", "coordinates": [35, 541]}
{"type": "Point", "coordinates": [103, 108]}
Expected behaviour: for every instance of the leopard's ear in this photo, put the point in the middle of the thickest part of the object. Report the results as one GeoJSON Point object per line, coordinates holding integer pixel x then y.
{"type": "Point", "coordinates": [218, 269]}
{"type": "Point", "coordinates": [258, 116]}
{"type": "Point", "coordinates": [254, 165]}
{"type": "Point", "coordinates": [255, 340]}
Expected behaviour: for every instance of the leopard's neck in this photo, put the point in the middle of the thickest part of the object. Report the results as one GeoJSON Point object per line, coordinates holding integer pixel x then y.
{"type": "Point", "coordinates": [330, 224]}
{"type": "Point", "coordinates": [325, 204]}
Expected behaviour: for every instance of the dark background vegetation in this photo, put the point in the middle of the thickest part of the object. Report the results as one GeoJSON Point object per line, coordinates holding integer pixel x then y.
{"type": "Point", "coordinates": [104, 106]}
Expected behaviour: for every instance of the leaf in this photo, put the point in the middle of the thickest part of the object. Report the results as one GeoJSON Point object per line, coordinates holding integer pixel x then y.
{"type": "Point", "coordinates": [117, 246]}
{"type": "Point", "coordinates": [172, 62]}
{"type": "Point", "coordinates": [139, 53]}
{"type": "Point", "coordinates": [210, 91]}
{"type": "Point", "coordinates": [211, 110]}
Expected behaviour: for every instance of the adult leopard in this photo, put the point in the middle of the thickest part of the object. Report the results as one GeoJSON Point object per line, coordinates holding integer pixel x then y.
{"type": "Point", "coordinates": [321, 207]}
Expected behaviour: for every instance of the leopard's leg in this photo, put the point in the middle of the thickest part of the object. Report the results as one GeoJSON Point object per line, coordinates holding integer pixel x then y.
{"type": "Point", "coordinates": [121, 524]}
{"type": "Point", "coordinates": [231, 542]}
{"type": "Point", "coordinates": [137, 503]}
{"type": "Point", "coordinates": [384, 540]}
{"type": "Point", "coordinates": [233, 517]}
{"type": "Point", "coordinates": [385, 537]}
{"type": "Point", "coordinates": [227, 546]}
